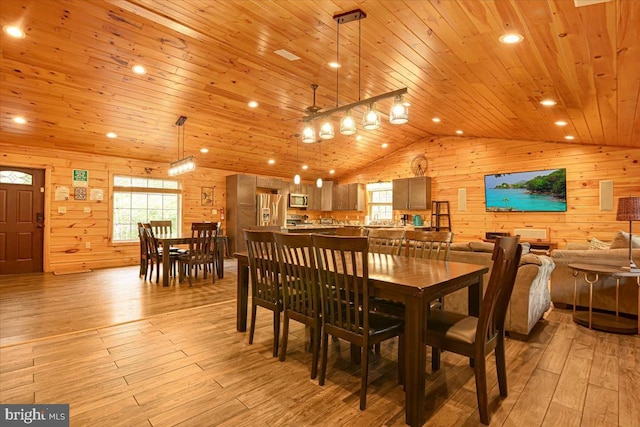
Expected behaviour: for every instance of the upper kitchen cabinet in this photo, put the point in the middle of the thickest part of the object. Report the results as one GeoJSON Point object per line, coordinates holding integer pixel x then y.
{"type": "Point", "coordinates": [315, 197]}
{"type": "Point", "coordinates": [349, 197]}
{"type": "Point", "coordinates": [412, 193]}
{"type": "Point", "coordinates": [326, 197]}
{"type": "Point", "coordinates": [268, 182]}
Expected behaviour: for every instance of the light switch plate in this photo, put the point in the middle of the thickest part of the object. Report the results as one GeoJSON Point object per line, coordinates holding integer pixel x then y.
{"type": "Point", "coordinates": [87, 210]}
{"type": "Point", "coordinates": [62, 209]}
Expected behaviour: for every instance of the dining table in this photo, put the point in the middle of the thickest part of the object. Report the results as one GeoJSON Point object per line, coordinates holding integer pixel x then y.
{"type": "Point", "coordinates": [413, 281]}
{"type": "Point", "coordinates": [168, 240]}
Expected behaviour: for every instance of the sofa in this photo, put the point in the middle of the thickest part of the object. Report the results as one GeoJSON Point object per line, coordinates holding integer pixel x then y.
{"type": "Point", "coordinates": [530, 298]}
{"type": "Point", "coordinates": [595, 251]}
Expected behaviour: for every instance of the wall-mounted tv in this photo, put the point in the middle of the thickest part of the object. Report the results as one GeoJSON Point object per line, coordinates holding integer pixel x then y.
{"type": "Point", "coordinates": [535, 191]}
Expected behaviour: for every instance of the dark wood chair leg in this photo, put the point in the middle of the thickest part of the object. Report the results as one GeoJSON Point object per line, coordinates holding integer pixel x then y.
{"type": "Point", "coordinates": [401, 367]}
{"type": "Point", "coordinates": [285, 337]}
{"type": "Point", "coordinates": [315, 351]}
{"type": "Point", "coordinates": [252, 329]}
{"type": "Point", "coordinates": [323, 364]}
{"type": "Point", "coordinates": [481, 389]}
{"type": "Point", "coordinates": [435, 359]}
{"type": "Point", "coordinates": [501, 367]}
{"type": "Point", "coordinates": [364, 366]}
{"type": "Point", "coordinates": [276, 332]}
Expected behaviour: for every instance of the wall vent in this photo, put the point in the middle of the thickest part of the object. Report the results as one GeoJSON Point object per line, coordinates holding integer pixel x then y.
{"type": "Point", "coordinates": [532, 233]}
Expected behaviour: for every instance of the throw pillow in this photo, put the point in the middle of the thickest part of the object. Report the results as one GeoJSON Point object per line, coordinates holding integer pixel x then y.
{"type": "Point", "coordinates": [595, 244]}
{"type": "Point", "coordinates": [621, 241]}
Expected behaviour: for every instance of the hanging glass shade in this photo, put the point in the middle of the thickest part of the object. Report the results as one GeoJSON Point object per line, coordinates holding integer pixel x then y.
{"type": "Point", "coordinates": [308, 134]}
{"type": "Point", "coordinates": [348, 124]}
{"type": "Point", "coordinates": [371, 119]}
{"type": "Point", "coordinates": [399, 112]}
{"type": "Point", "coordinates": [296, 179]}
{"type": "Point", "coordinates": [326, 130]}
{"type": "Point", "coordinates": [319, 183]}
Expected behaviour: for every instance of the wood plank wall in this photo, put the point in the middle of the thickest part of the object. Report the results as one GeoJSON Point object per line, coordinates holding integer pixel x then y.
{"type": "Point", "coordinates": [67, 233]}
{"type": "Point", "coordinates": [454, 163]}
{"type": "Point", "coordinates": [458, 162]}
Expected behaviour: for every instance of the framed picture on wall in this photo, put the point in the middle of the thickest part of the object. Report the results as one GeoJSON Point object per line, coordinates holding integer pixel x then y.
{"type": "Point", "coordinates": [206, 196]}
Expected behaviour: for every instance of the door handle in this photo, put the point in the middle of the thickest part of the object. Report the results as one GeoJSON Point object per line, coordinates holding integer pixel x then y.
{"type": "Point", "coordinates": [40, 220]}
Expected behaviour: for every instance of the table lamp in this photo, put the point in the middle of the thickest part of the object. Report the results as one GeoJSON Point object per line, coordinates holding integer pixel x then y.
{"type": "Point", "coordinates": [629, 210]}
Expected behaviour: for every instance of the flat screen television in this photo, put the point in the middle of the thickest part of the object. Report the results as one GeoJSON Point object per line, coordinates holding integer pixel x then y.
{"type": "Point", "coordinates": [534, 191]}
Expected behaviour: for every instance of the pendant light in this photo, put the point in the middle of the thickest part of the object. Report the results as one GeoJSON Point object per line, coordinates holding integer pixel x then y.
{"type": "Point", "coordinates": [184, 164]}
{"type": "Point", "coordinates": [399, 114]}
{"type": "Point", "coordinates": [348, 124]}
{"type": "Point", "coordinates": [371, 119]}
{"type": "Point", "coordinates": [296, 178]}
{"type": "Point", "coordinates": [326, 130]}
{"type": "Point", "coordinates": [308, 134]}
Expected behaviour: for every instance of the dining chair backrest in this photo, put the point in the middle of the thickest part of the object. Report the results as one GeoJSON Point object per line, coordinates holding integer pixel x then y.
{"type": "Point", "coordinates": [352, 231]}
{"type": "Point", "coordinates": [263, 265]}
{"type": "Point", "coordinates": [385, 241]}
{"type": "Point", "coordinates": [506, 259]}
{"type": "Point", "coordinates": [344, 281]}
{"type": "Point", "coordinates": [427, 244]}
{"type": "Point", "coordinates": [163, 227]}
{"type": "Point", "coordinates": [153, 250]}
{"type": "Point", "coordinates": [202, 243]}
{"type": "Point", "coordinates": [298, 273]}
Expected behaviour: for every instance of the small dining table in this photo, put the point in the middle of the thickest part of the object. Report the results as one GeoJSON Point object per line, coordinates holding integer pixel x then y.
{"type": "Point", "coordinates": [168, 240]}
{"type": "Point", "coordinates": [415, 282]}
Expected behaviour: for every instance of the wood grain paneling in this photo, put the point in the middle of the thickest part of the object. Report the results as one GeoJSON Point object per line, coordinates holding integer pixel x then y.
{"type": "Point", "coordinates": [71, 76]}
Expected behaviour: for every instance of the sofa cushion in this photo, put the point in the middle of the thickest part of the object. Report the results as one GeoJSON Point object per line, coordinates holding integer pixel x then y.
{"type": "Point", "coordinates": [621, 240]}
{"type": "Point", "coordinates": [460, 246]}
{"type": "Point", "coordinates": [595, 244]}
{"type": "Point", "coordinates": [482, 246]}
{"type": "Point", "coordinates": [530, 259]}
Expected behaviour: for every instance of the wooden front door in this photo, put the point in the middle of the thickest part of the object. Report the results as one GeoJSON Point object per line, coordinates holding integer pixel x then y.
{"type": "Point", "coordinates": [21, 219]}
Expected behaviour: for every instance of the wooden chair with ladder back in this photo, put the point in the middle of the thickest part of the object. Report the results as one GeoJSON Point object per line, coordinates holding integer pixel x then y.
{"type": "Point", "coordinates": [202, 252]}
{"type": "Point", "coordinates": [385, 241]}
{"type": "Point", "coordinates": [477, 337]}
{"type": "Point", "coordinates": [298, 273]}
{"type": "Point", "coordinates": [344, 295]}
{"type": "Point", "coordinates": [266, 287]}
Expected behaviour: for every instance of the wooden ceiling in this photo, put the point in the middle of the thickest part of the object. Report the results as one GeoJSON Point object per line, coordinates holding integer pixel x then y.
{"type": "Point", "coordinates": [71, 77]}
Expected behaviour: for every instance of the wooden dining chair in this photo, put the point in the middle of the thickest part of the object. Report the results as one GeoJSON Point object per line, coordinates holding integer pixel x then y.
{"type": "Point", "coordinates": [344, 295]}
{"type": "Point", "coordinates": [428, 244]}
{"type": "Point", "coordinates": [385, 241]}
{"type": "Point", "coordinates": [162, 226]}
{"type": "Point", "coordinates": [266, 288]}
{"type": "Point", "coordinates": [477, 337]}
{"type": "Point", "coordinates": [298, 274]}
{"type": "Point", "coordinates": [155, 254]}
{"type": "Point", "coordinates": [202, 252]}
{"type": "Point", "coordinates": [144, 251]}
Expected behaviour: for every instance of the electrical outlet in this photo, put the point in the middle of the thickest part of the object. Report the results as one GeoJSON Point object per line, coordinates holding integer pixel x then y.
{"type": "Point", "coordinates": [87, 245]}
{"type": "Point", "coordinates": [87, 210]}
{"type": "Point", "coordinates": [214, 211]}
{"type": "Point", "coordinates": [62, 209]}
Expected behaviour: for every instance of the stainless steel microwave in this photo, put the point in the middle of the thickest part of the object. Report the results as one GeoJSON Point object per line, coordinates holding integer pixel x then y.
{"type": "Point", "coordinates": [298, 200]}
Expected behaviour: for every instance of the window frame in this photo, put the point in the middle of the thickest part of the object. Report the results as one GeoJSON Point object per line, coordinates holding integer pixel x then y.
{"type": "Point", "coordinates": [114, 189]}
{"type": "Point", "coordinates": [379, 187]}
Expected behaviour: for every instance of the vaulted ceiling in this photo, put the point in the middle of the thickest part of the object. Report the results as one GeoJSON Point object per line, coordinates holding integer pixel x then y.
{"type": "Point", "coordinates": [71, 76]}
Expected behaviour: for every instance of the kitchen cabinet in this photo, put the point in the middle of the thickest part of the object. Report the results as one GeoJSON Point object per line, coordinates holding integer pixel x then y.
{"type": "Point", "coordinates": [326, 196]}
{"type": "Point", "coordinates": [240, 209]}
{"type": "Point", "coordinates": [348, 197]}
{"type": "Point", "coordinates": [268, 182]}
{"type": "Point", "coordinates": [412, 193]}
{"type": "Point", "coordinates": [297, 188]}
{"type": "Point", "coordinates": [315, 197]}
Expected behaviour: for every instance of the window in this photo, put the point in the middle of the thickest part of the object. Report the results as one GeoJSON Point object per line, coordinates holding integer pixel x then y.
{"type": "Point", "coordinates": [142, 200]}
{"type": "Point", "coordinates": [380, 201]}
{"type": "Point", "coordinates": [15, 177]}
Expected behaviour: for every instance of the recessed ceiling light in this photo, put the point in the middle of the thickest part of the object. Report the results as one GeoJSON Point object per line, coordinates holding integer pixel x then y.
{"type": "Point", "coordinates": [459, 132]}
{"type": "Point", "coordinates": [252, 104]}
{"type": "Point", "coordinates": [561, 123]}
{"type": "Point", "coordinates": [139, 69]}
{"type": "Point", "coordinates": [19, 120]}
{"type": "Point", "coordinates": [332, 171]}
{"type": "Point", "coordinates": [548, 102]}
{"type": "Point", "coordinates": [436, 120]}
{"type": "Point", "coordinates": [305, 167]}
{"type": "Point", "coordinates": [569, 137]}
{"type": "Point", "coordinates": [204, 150]}
{"type": "Point", "coordinates": [334, 64]}
{"type": "Point", "coordinates": [14, 31]}
{"type": "Point", "coordinates": [271, 161]}
{"type": "Point", "coordinates": [112, 135]}
{"type": "Point", "coordinates": [384, 145]}
{"type": "Point", "coordinates": [358, 137]}
{"type": "Point", "coordinates": [511, 38]}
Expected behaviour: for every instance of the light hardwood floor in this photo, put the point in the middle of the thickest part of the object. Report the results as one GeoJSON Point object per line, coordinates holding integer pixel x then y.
{"type": "Point", "coordinates": [122, 351]}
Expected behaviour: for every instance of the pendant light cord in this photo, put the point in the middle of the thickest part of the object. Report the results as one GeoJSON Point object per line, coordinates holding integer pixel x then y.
{"type": "Point", "coordinates": [359, 54]}
{"type": "Point", "coordinates": [337, 60]}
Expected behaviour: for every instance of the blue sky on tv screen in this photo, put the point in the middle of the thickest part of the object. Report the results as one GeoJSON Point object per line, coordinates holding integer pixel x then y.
{"type": "Point", "coordinates": [512, 178]}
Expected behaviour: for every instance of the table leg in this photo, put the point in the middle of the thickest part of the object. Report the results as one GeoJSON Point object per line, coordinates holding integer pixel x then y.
{"type": "Point", "coordinates": [473, 303]}
{"type": "Point", "coordinates": [220, 256]}
{"type": "Point", "coordinates": [166, 263]}
{"type": "Point", "coordinates": [415, 351]}
{"type": "Point", "coordinates": [242, 296]}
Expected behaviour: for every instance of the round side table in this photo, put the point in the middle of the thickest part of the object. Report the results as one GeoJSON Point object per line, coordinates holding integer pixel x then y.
{"type": "Point", "coordinates": [603, 321]}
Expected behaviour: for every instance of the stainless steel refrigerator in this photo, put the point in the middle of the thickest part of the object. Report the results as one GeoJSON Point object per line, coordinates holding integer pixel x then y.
{"type": "Point", "coordinates": [271, 210]}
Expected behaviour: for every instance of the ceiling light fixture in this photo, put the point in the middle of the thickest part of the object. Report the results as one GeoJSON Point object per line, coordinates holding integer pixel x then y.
{"type": "Point", "coordinates": [561, 123]}
{"type": "Point", "coordinates": [112, 135]}
{"type": "Point", "coordinates": [184, 164]}
{"type": "Point", "coordinates": [14, 31]}
{"type": "Point", "coordinates": [569, 137]}
{"type": "Point", "coordinates": [511, 38]}
{"type": "Point", "coordinates": [252, 104]}
{"type": "Point", "coordinates": [139, 69]}
{"type": "Point", "coordinates": [459, 132]}
{"type": "Point", "coordinates": [548, 102]}
{"type": "Point", "coordinates": [371, 119]}
{"type": "Point", "coordinates": [204, 150]}
{"type": "Point", "coordinates": [436, 120]}
{"type": "Point", "coordinates": [20, 120]}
